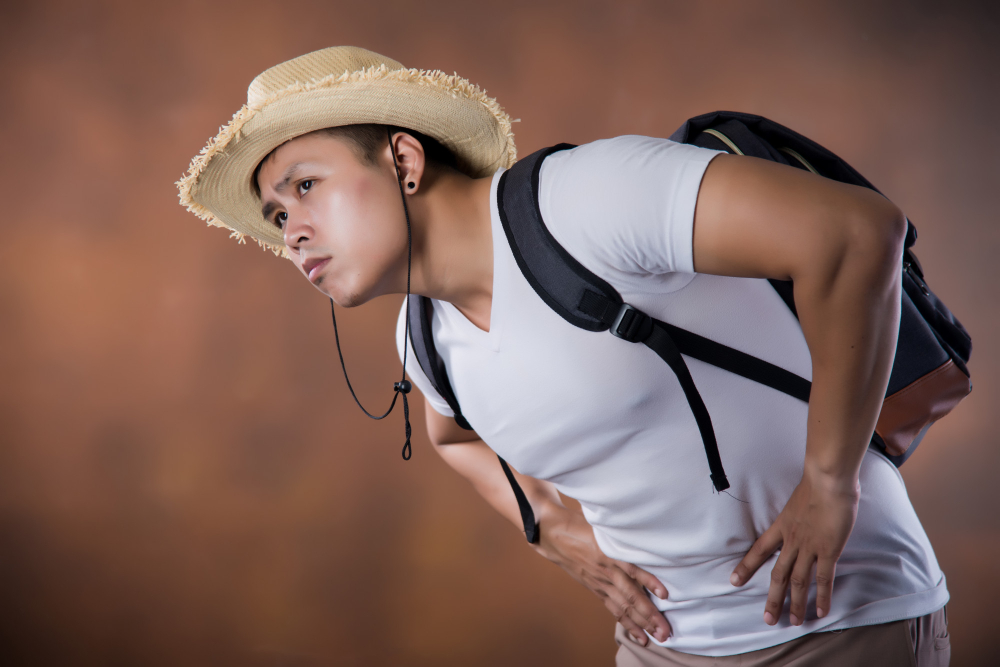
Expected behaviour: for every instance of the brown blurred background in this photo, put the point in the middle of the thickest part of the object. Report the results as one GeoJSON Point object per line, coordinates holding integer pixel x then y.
{"type": "Point", "coordinates": [184, 479]}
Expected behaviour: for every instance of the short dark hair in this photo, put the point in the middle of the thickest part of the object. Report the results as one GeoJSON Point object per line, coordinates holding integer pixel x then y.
{"type": "Point", "coordinates": [367, 140]}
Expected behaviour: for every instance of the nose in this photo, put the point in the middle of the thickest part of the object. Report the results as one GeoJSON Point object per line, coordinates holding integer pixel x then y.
{"type": "Point", "coordinates": [298, 230]}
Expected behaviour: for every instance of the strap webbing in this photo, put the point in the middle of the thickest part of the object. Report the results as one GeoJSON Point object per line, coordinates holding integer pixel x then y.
{"type": "Point", "coordinates": [670, 342]}
{"type": "Point", "coordinates": [422, 340]}
{"type": "Point", "coordinates": [531, 531]}
{"type": "Point", "coordinates": [659, 341]}
{"type": "Point", "coordinates": [739, 363]}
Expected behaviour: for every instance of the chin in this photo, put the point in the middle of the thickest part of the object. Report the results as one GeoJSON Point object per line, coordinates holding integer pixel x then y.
{"type": "Point", "coordinates": [348, 298]}
{"type": "Point", "coordinates": [351, 300]}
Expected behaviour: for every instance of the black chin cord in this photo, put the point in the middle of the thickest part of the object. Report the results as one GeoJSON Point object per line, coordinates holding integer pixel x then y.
{"type": "Point", "coordinates": [403, 386]}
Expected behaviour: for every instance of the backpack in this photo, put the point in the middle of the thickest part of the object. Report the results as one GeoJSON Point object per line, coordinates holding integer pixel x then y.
{"type": "Point", "coordinates": [929, 374]}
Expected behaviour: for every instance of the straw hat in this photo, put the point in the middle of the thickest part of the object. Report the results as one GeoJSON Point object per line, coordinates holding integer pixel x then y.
{"type": "Point", "coordinates": [341, 85]}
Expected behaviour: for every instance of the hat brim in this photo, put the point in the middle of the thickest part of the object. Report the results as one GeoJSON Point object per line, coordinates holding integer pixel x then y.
{"type": "Point", "coordinates": [218, 187]}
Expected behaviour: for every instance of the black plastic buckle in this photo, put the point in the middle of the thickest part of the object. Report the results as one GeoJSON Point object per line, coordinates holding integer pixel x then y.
{"type": "Point", "coordinates": [627, 323]}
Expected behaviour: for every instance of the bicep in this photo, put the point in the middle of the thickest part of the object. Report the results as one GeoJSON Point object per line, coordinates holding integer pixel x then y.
{"type": "Point", "coordinates": [761, 219]}
{"type": "Point", "coordinates": [442, 430]}
{"type": "Point", "coordinates": [473, 459]}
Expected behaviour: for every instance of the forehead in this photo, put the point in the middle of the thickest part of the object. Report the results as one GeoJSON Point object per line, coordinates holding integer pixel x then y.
{"type": "Point", "coordinates": [313, 148]}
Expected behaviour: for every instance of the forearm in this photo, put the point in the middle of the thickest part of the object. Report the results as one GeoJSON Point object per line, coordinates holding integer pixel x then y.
{"type": "Point", "coordinates": [848, 304]}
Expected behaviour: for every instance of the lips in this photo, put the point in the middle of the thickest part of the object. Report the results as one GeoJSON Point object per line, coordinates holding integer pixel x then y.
{"type": "Point", "coordinates": [313, 266]}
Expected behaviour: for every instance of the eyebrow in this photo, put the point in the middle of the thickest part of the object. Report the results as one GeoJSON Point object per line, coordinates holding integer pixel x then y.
{"type": "Point", "coordinates": [281, 185]}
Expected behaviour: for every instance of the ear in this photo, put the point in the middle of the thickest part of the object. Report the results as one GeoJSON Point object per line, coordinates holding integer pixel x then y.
{"type": "Point", "coordinates": [410, 160]}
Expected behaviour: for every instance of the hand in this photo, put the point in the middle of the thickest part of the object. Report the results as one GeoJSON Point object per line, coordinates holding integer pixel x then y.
{"type": "Point", "coordinates": [812, 529]}
{"type": "Point", "coordinates": [568, 541]}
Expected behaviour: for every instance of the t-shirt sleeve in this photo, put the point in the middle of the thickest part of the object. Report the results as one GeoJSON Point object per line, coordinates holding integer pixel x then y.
{"type": "Point", "coordinates": [413, 370]}
{"type": "Point", "coordinates": [625, 206]}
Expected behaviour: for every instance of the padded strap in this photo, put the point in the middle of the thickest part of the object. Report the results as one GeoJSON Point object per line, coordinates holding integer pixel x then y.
{"type": "Point", "coordinates": [555, 275]}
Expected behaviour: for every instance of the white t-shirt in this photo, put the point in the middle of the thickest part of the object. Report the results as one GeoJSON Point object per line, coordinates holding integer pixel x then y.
{"type": "Point", "coordinates": [607, 422]}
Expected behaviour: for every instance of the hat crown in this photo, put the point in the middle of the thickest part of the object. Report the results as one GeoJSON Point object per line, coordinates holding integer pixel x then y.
{"type": "Point", "coordinates": [312, 66]}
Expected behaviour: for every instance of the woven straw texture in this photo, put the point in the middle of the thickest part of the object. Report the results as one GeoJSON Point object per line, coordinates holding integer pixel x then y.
{"type": "Point", "coordinates": [337, 86]}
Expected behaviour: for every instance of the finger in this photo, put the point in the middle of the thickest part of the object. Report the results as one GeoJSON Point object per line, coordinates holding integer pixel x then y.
{"type": "Point", "coordinates": [779, 586]}
{"type": "Point", "coordinates": [624, 598]}
{"type": "Point", "coordinates": [652, 584]}
{"type": "Point", "coordinates": [631, 628]}
{"type": "Point", "coordinates": [640, 608]}
{"type": "Point", "coordinates": [643, 608]}
{"type": "Point", "coordinates": [761, 550]}
{"type": "Point", "coordinates": [798, 582]}
{"type": "Point", "coordinates": [826, 569]}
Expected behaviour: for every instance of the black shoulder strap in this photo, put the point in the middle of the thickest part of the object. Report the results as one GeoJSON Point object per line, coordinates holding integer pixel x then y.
{"type": "Point", "coordinates": [561, 281]}
{"type": "Point", "coordinates": [585, 300]}
{"type": "Point", "coordinates": [422, 339]}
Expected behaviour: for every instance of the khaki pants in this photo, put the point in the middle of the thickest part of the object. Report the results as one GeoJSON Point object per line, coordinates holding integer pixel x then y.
{"type": "Point", "coordinates": [916, 642]}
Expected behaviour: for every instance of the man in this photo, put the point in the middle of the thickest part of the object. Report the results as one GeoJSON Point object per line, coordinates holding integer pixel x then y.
{"type": "Point", "coordinates": [315, 166]}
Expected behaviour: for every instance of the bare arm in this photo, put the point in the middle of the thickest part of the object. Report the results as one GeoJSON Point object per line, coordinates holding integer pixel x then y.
{"type": "Point", "coordinates": [842, 247]}
{"type": "Point", "coordinates": [566, 538]}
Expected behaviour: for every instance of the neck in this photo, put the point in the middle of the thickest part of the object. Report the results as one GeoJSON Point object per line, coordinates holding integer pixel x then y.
{"type": "Point", "coordinates": [453, 243]}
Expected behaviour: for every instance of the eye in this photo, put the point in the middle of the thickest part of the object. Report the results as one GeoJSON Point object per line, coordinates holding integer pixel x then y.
{"type": "Point", "coordinates": [279, 219]}
{"type": "Point", "coordinates": [305, 185]}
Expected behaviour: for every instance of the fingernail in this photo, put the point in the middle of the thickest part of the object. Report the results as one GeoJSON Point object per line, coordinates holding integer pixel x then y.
{"type": "Point", "coordinates": [794, 619]}
{"type": "Point", "coordinates": [820, 612]}
{"type": "Point", "coordinates": [768, 618]}
{"type": "Point", "coordinates": [734, 579]}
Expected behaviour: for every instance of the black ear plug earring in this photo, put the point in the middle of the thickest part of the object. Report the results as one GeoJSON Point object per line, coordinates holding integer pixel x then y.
{"type": "Point", "coordinates": [411, 185]}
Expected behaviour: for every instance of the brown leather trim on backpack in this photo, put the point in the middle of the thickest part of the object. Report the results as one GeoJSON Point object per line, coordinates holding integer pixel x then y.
{"type": "Point", "coordinates": [916, 405]}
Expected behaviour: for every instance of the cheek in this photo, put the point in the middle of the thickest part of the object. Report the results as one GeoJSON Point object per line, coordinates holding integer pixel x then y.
{"type": "Point", "coordinates": [376, 222]}
{"type": "Point", "coordinates": [365, 230]}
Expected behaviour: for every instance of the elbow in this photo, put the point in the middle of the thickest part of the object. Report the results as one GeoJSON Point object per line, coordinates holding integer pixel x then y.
{"type": "Point", "coordinates": [876, 236]}
{"type": "Point", "coordinates": [891, 225]}
{"type": "Point", "coordinates": [861, 244]}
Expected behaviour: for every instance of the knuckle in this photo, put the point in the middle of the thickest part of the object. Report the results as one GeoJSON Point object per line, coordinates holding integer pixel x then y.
{"type": "Point", "coordinates": [778, 577]}
{"type": "Point", "coordinates": [797, 582]}
{"type": "Point", "coordinates": [823, 580]}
